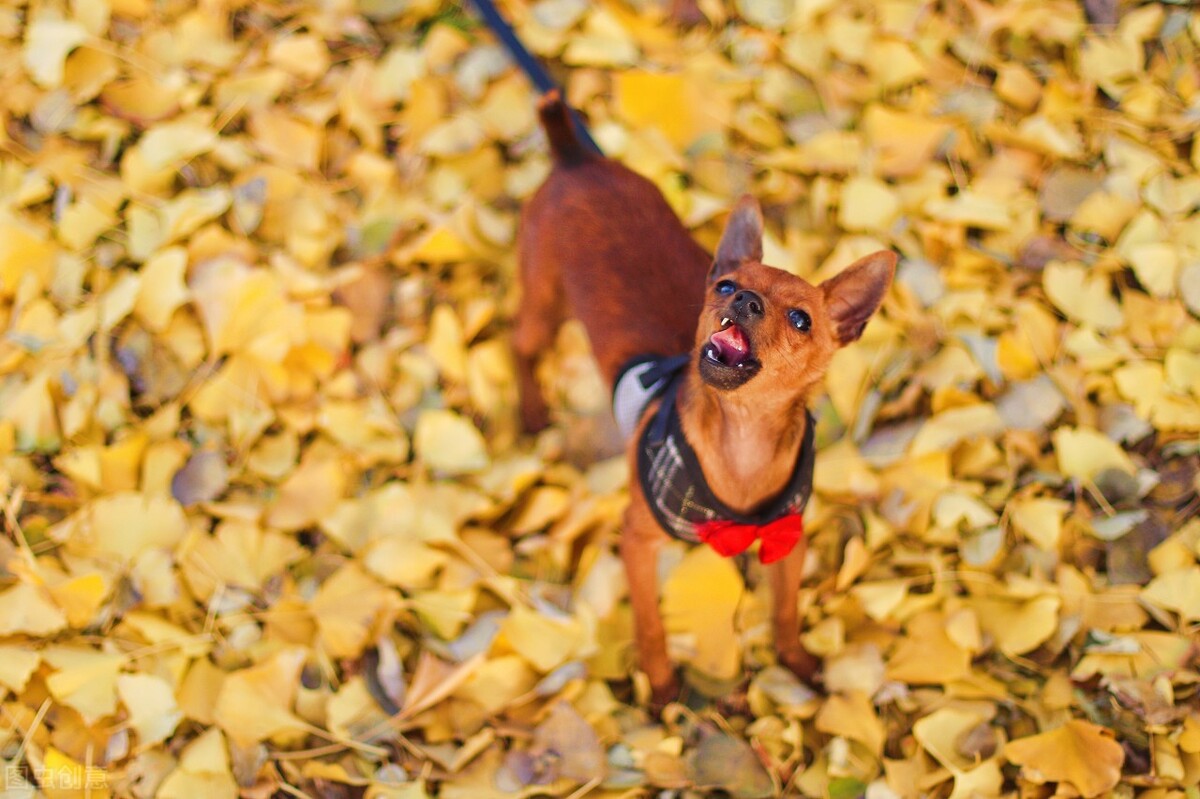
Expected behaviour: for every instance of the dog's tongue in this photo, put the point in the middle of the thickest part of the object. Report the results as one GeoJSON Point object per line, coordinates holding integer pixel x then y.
{"type": "Point", "coordinates": [732, 345]}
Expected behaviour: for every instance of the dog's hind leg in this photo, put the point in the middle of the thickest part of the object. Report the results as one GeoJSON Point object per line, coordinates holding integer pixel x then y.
{"type": "Point", "coordinates": [542, 312]}
{"type": "Point", "coordinates": [785, 578]}
{"type": "Point", "coordinates": [640, 539]}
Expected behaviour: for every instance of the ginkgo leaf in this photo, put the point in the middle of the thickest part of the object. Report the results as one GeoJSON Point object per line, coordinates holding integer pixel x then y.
{"type": "Point", "coordinates": [1178, 591]}
{"type": "Point", "coordinates": [346, 607]}
{"type": "Point", "coordinates": [25, 609]}
{"type": "Point", "coordinates": [1078, 753]}
{"type": "Point", "coordinates": [47, 43]}
{"type": "Point", "coordinates": [16, 667]}
{"type": "Point", "coordinates": [84, 680]}
{"type": "Point", "coordinates": [449, 443]}
{"type": "Point", "coordinates": [150, 701]}
{"type": "Point", "coordinates": [699, 600]}
{"type": "Point", "coordinates": [1084, 453]}
{"type": "Point", "coordinates": [256, 703]}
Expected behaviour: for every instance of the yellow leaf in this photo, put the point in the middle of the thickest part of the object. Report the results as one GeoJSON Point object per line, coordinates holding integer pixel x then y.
{"type": "Point", "coordinates": [445, 612]}
{"type": "Point", "coordinates": [84, 680]}
{"type": "Point", "coordinates": [286, 140]}
{"type": "Point", "coordinates": [353, 714]}
{"type": "Point", "coordinates": [127, 524]}
{"type": "Point", "coordinates": [699, 600]}
{"type": "Point", "coordinates": [171, 144]}
{"type": "Point", "coordinates": [1156, 266]}
{"type": "Point", "coordinates": [855, 668]}
{"type": "Point", "coordinates": [1039, 520]}
{"type": "Point", "coordinates": [1178, 591]}
{"type": "Point", "coordinates": [940, 731]}
{"type": "Point", "coordinates": [985, 779]}
{"type": "Point", "coordinates": [852, 716]}
{"type": "Point", "coordinates": [24, 609]}
{"type": "Point", "coordinates": [604, 42]}
{"type": "Point", "coordinates": [345, 607]}
{"type": "Point", "coordinates": [543, 642]}
{"type": "Point", "coordinates": [256, 703]}
{"type": "Point", "coordinates": [946, 429]}
{"type": "Point", "coordinates": [203, 770]}
{"type": "Point", "coordinates": [237, 304]}
{"type": "Point", "coordinates": [80, 597]}
{"type": "Point", "coordinates": [1017, 85]}
{"type": "Point", "coordinates": [1082, 297]}
{"type": "Point", "coordinates": [1083, 453]}
{"type": "Point", "coordinates": [905, 141]}
{"type": "Point", "coordinates": [48, 41]}
{"type": "Point", "coordinates": [971, 209]}
{"type": "Point", "coordinates": [162, 288]}
{"type": "Point", "coordinates": [497, 682]}
{"type": "Point", "coordinates": [927, 655]}
{"type": "Point", "coordinates": [868, 205]}
{"type": "Point", "coordinates": [311, 492]}
{"type": "Point", "coordinates": [304, 55]}
{"type": "Point", "coordinates": [434, 680]}
{"type": "Point", "coordinates": [64, 778]}
{"type": "Point", "coordinates": [445, 343]}
{"type": "Point", "coordinates": [881, 598]}
{"type": "Point", "coordinates": [894, 64]}
{"type": "Point", "coordinates": [1017, 625]}
{"type": "Point", "coordinates": [851, 477]}
{"type": "Point", "coordinates": [150, 701]}
{"type": "Point", "coordinates": [31, 410]}
{"type": "Point", "coordinates": [671, 102]}
{"type": "Point", "coordinates": [17, 665]}
{"type": "Point", "coordinates": [449, 443]}
{"type": "Point", "coordinates": [1078, 753]}
{"type": "Point", "coordinates": [405, 564]}
{"type": "Point", "coordinates": [199, 691]}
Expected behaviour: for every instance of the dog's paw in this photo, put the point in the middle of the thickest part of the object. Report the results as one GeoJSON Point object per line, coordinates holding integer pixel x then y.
{"type": "Point", "coordinates": [535, 416]}
{"type": "Point", "coordinates": [663, 695]}
{"type": "Point", "coordinates": [686, 13]}
{"type": "Point", "coordinates": [802, 664]}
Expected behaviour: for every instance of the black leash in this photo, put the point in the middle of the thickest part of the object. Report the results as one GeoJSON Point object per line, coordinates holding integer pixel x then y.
{"type": "Point", "coordinates": [528, 63]}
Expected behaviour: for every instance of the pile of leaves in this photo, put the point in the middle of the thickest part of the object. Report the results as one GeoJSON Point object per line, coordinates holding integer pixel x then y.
{"type": "Point", "coordinates": [271, 528]}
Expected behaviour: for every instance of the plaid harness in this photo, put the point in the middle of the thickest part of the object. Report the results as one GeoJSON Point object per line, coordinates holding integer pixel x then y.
{"type": "Point", "coordinates": [674, 484]}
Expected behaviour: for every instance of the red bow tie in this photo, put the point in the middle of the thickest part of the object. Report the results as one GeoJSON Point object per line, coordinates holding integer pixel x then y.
{"type": "Point", "coordinates": [730, 538]}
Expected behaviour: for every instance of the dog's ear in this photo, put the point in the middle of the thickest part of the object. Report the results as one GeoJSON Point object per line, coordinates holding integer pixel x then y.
{"type": "Point", "coordinates": [854, 294]}
{"type": "Point", "coordinates": [742, 239]}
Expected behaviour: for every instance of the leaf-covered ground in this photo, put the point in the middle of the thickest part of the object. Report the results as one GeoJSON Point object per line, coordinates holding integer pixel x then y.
{"type": "Point", "coordinates": [269, 526]}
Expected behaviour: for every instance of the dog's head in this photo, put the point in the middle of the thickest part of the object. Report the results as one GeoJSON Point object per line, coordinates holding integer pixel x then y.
{"type": "Point", "coordinates": [765, 325]}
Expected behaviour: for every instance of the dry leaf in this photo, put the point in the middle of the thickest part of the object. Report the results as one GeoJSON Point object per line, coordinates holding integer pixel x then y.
{"type": "Point", "coordinates": [1078, 753]}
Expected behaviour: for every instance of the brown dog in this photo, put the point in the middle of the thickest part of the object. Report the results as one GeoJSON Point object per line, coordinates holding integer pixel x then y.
{"type": "Point", "coordinates": [723, 450]}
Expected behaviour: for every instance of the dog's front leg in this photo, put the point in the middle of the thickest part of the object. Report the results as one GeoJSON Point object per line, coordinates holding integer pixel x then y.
{"type": "Point", "coordinates": [785, 577]}
{"type": "Point", "coordinates": [640, 540]}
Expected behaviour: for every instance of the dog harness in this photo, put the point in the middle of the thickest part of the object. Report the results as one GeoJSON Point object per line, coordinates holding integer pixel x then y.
{"type": "Point", "coordinates": [674, 484]}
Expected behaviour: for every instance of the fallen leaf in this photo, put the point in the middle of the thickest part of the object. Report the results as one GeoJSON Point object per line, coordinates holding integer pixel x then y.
{"type": "Point", "coordinates": [1079, 753]}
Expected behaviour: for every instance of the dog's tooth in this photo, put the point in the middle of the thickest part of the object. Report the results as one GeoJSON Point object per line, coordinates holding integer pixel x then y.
{"type": "Point", "coordinates": [725, 322]}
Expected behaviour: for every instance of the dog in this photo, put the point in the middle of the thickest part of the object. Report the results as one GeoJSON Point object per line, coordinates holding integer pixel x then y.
{"type": "Point", "coordinates": [711, 358]}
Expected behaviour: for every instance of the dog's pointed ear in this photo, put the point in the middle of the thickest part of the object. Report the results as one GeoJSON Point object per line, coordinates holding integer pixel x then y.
{"type": "Point", "coordinates": [742, 239]}
{"type": "Point", "coordinates": [854, 294]}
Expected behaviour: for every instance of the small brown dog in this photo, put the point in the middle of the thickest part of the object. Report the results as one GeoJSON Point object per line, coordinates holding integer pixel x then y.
{"type": "Point", "coordinates": [720, 438]}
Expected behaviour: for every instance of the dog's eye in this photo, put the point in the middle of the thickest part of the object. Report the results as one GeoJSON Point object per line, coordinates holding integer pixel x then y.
{"type": "Point", "coordinates": [726, 287]}
{"type": "Point", "coordinates": [800, 320]}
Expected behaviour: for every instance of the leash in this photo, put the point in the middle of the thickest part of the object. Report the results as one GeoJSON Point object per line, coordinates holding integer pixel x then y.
{"type": "Point", "coordinates": [529, 64]}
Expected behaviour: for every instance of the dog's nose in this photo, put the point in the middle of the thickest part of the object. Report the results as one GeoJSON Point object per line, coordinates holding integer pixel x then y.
{"type": "Point", "coordinates": [747, 304]}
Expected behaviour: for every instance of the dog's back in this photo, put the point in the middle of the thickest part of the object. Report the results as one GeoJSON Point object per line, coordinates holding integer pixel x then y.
{"type": "Point", "coordinates": [627, 267]}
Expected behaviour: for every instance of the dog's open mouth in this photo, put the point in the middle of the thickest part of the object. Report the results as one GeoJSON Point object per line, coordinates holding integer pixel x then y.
{"type": "Point", "coordinates": [730, 346]}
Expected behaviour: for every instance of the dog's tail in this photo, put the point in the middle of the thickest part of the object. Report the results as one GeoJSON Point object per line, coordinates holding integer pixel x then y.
{"type": "Point", "coordinates": [569, 142]}
{"type": "Point", "coordinates": [569, 137]}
